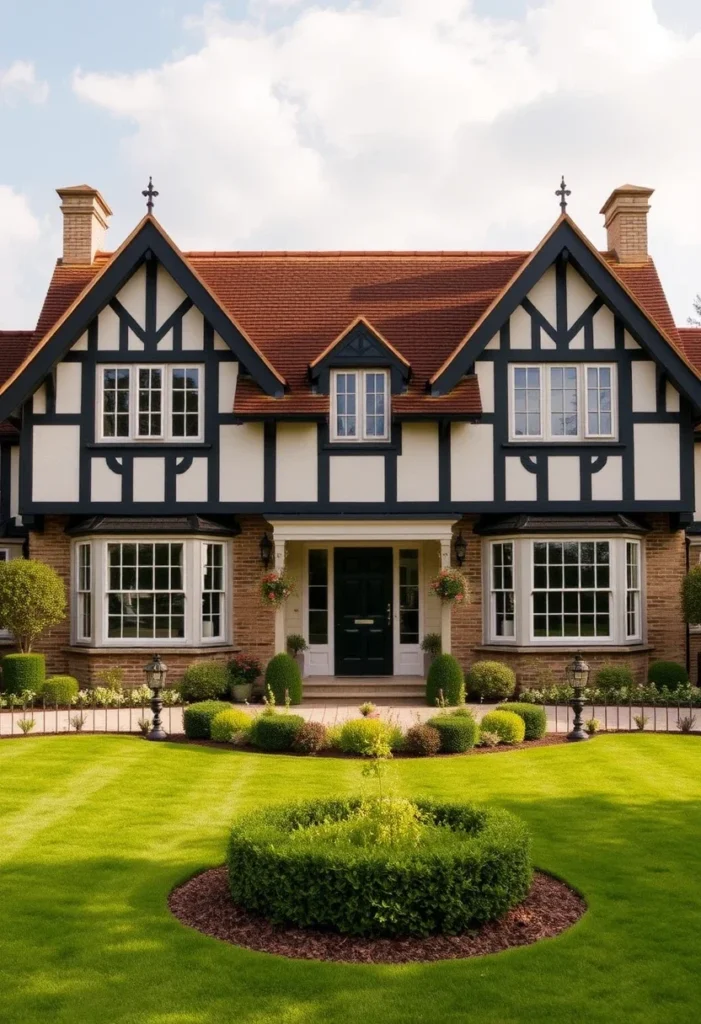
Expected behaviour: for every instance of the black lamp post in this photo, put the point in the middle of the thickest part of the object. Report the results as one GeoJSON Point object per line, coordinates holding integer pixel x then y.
{"type": "Point", "coordinates": [578, 677]}
{"type": "Point", "coordinates": [460, 549]}
{"type": "Point", "coordinates": [155, 679]}
{"type": "Point", "coordinates": [266, 550]}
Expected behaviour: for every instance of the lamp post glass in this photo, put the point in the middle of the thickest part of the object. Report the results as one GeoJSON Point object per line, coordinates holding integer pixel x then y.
{"type": "Point", "coordinates": [460, 549]}
{"type": "Point", "coordinates": [155, 672]}
{"type": "Point", "coordinates": [578, 677]}
{"type": "Point", "coordinates": [266, 550]}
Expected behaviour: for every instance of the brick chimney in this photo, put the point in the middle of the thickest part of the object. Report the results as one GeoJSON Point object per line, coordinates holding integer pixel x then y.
{"type": "Point", "coordinates": [85, 216]}
{"type": "Point", "coordinates": [625, 212]}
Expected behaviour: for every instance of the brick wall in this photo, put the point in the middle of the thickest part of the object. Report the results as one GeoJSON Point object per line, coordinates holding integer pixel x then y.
{"type": "Point", "coordinates": [665, 554]}
{"type": "Point", "coordinates": [53, 547]}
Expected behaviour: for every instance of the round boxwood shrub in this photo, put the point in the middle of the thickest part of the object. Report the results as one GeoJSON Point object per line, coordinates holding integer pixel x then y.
{"type": "Point", "coordinates": [205, 680]}
{"type": "Point", "coordinates": [283, 675]}
{"type": "Point", "coordinates": [445, 677]}
{"type": "Point", "coordinates": [422, 740]}
{"type": "Point", "coordinates": [458, 732]}
{"type": "Point", "coordinates": [614, 677]}
{"type": "Point", "coordinates": [362, 736]}
{"type": "Point", "coordinates": [508, 726]}
{"type": "Point", "coordinates": [198, 718]}
{"type": "Point", "coordinates": [59, 689]}
{"type": "Point", "coordinates": [311, 738]}
{"type": "Point", "coordinates": [23, 672]}
{"type": "Point", "coordinates": [534, 719]}
{"type": "Point", "coordinates": [275, 732]}
{"type": "Point", "coordinates": [667, 673]}
{"type": "Point", "coordinates": [491, 680]}
{"type": "Point", "coordinates": [228, 724]}
{"type": "Point", "coordinates": [471, 866]}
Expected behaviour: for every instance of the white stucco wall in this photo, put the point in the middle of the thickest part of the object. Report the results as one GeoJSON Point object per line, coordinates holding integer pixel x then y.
{"type": "Point", "coordinates": [563, 478]}
{"type": "Point", "coordinates": [607, 484]}
{"type": "Point", "coordinates": [485, 376]}
{"type": "Point", "coordinates": [356, 478]}
{"type": "Point", "coordinates": [105, 485]}
{"type": "Point", "coordinates": [192, 484]}
{"type": "Point", "coordinates": [656, 461]}
{"type": "Point", "coordinates": [644, 380]}
{"type": "Point", "coordinates": [133, 296]}
{"type": "Point", "coordinates": [228, 376]}
{"type": "Point", "coordinates": [520, 484]}
{"type": "Point", "coordinates": [296, 462]}
{"type": "Point", "coordinates": [471, 462]}
{"type": "Point", "coordinates": [68, 379]}
{"type": "Point", "coordinates": [149, 479]}
{"type": "Point", "coordinates": [56, 463]}
{"type": "Point", "coordinates": [241, 462]}
{"type": "Point", "coordinates": [417, 466]}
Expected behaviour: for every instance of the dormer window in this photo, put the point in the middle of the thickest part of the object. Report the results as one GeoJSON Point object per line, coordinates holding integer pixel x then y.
{"type": "Point", "coordinates": [360, 405]}
{"type": "Point", "coordinates": [150, 403]}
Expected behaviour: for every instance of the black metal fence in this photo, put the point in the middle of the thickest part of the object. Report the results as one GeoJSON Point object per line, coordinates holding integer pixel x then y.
{"type": "Point", "coordinates": [649, 716]}
{"type": "Point", "coordinates": [41, 717]}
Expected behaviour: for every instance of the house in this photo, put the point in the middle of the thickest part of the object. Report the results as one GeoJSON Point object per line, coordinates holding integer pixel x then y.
{"type": "Point", "coordinates": [178, 419]}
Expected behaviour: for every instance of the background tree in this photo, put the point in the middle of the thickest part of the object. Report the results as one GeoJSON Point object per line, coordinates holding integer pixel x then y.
{"type": "Point", "coordinates": [695, 320]}
{"type": "Point", "coordinates": [32, 598]}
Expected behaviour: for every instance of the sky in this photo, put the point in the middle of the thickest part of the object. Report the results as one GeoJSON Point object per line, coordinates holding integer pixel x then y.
{"type": "Point", "coordinates": [359, 124]}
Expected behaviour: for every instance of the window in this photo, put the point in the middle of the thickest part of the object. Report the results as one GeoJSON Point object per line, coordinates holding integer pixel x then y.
{"type": "Point", "coordinates": [408, 596]}
{"type": "Point", "coordinates": [562, 403]}
{"type": "Point", "coordinates": [145, 591]}
{"type": "Point", "coordinates": [502, 600]}
{"type": "Point", "coordinates": [571, 589]}
{"type": "Point", "coordinates": [213, 596]}
{"type": "Point", "coordinates": [318, 597]}
{"type": "Point", "coordinates": [632, 589]}
{"type": "Point", "coordinates": [360, 400]}
{"type": "Point", "coordinates": [151, 402]}
{"type": "Point", "coordinates": [84, 589]}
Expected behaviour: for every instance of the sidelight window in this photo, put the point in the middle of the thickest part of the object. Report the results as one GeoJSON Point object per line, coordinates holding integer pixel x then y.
{"type": "Point", "coordinates": [213, 591]}
{"type": "Point", "coordinates": [318, 596]}
{"type": "Point", "coordinates": [502, 602]}
{"type": "Point", "coordinates": [84, 592]}
{"type": "Point", "coordinates": [409, 596]}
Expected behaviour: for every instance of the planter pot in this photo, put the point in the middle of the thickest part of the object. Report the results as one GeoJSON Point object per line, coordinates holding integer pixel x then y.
{"type": "Point", "coordinates": [428, 661]}
{"type": "Point", "coordinates": [241, 692]}
{"type": "Point", "coordinates": [299, 658]}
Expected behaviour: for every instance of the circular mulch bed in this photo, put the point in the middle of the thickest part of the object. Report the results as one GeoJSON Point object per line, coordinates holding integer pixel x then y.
{"type": "Point", "coordinates": [204, 903]}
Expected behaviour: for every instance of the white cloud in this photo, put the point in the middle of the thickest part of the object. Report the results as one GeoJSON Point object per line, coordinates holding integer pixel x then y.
{"type": "Point", "coordinates": [19, 82]}
{"type": "Point", "coordinates": [22, 245]}
{"type": "Point", "coordinates": [401, 123]}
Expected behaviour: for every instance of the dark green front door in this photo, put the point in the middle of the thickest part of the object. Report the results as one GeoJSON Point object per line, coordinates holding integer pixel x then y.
{"type": "Point", "coordinates": [363, 611]}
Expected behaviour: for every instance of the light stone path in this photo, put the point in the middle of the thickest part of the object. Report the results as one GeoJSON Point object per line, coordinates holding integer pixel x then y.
{"type": "Point", "coordinates": [126, 720]}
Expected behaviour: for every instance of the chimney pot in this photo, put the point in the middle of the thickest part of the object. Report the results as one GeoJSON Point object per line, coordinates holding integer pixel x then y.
{"type": "Point", "coordinates": [85, 217]}
{"type": "Point", "coordinates": [625, 216]}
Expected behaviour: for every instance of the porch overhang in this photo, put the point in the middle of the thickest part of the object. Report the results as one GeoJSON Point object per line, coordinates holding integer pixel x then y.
{"type": "Point", "coordinates": [346, 529]}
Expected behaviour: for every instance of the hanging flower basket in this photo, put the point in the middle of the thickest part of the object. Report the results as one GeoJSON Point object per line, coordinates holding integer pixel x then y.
{"type": "Point", "coordinates": [451, 586]}
{"type": "Point", "coordinates": [275, 588]}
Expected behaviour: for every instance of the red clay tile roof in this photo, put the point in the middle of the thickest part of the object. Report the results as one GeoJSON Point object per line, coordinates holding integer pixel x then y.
{"type": "Point", "coordinates": [14, 346]}
{"type": "Point", "coordinates": [690, 342]}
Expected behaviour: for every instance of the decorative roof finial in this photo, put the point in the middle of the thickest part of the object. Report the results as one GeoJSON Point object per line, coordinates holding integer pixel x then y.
{"type": "Point", "coordinates": [562, 192]}
{"type": "Point", "coordinates": [151, 194]}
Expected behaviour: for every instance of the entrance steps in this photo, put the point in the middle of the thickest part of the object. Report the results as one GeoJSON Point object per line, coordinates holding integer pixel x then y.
{"type": "Point", "coordinates": [345, 689]}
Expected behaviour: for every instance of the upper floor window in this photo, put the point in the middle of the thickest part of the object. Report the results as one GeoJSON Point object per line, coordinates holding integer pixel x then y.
{"type": "Point", "coordinates": [562, 403]}
{"type": "Point", "coordinates": [157, 403]}
{"type": "Point", "coordinates": [360, 405]}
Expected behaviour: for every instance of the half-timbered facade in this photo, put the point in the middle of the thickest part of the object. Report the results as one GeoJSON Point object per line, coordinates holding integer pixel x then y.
{"type": "Point", "coordinates": [175, 414]}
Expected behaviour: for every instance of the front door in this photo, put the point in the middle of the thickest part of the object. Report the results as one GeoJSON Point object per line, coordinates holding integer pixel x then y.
{"type": "Point", "coordinates": [363, 611]}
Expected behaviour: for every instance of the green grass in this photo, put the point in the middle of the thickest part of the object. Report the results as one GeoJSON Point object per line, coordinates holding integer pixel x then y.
{"type": "Point", "coordinates": [94, 832]}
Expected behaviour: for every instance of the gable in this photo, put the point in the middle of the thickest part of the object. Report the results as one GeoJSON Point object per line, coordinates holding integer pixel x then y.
{"type": "Point", "coordinates": [360, 345]}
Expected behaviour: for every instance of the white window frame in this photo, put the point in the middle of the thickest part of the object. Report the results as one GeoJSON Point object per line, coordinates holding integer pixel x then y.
{"type": "Point", "coordinates": [546, 404]}
{"type": "Point", "coordinates": [610, 591]}
{"type": "Point", "coordinates": [194, 549]}
{"type": "Point", "coordinates": [166, 435]}
{"type": "Point", "coordinates": [361, 435]}
{"type": "Point", "coordinates": [523, 577]}
{"type": "Point", "coordinates": [637, 591]}
{"type": "Point", "coordinates": [84, 595]}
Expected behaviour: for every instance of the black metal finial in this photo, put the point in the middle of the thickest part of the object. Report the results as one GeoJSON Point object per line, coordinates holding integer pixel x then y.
{"type": "Point", "coordinates": [562, 192]}
{"type": "Point", "coordinates": [151, 194]}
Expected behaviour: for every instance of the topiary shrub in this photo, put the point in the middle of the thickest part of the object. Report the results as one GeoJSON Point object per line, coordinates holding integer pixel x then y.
{"type": "Point", "coordinates": [228, 725]}
{"type": "Point", "coordinates": [298, 865]}
{"type": "Point", "coordinates": [422, 740]}
{"type": "Point", "coordinates": [458, 733]}
{"type": "Point", "coordinates": [491, 680]}
{"type": "Point", "coordinates": [311, 738]}
{"type": "Point", "coordinates": [32, 599]}
{"type": "Point", "coordinates": [509, 726]}
{"type": "Point", "coordinates": [534, 719]}
{"type": "Point", "coordinates": [275, 732]}
{"type": "Point", "coordinates": [691, 596]}
{"type": "Point", "coordinates": [58, 689]}
{"type": "Point", "coordinates": [23, 672]}
{"type": "Point", "coordinates": [198, 718]}
{"type": "Point", "coordinates": [446, 676]}
{"type": "Point", "coordinates": [283, 675]}
{"type": "Point", "coordinates": [364, 736]}
{"type": "Point", "coordinates": [614, 677]}
{"type": "Point", "coordinates": [204, 680]}
{"type": "Point", "coordinates": [667, 673]}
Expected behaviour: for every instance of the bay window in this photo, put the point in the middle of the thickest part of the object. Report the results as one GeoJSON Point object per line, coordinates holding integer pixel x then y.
{"type": "Point", "coordinates": [360, 405]}
{"type": "Point", "coordinates": [150, 403]}
{"type": "Point", "coordinates": [553, 591]}
{"type": "Point", "coordinates": [562, 403]}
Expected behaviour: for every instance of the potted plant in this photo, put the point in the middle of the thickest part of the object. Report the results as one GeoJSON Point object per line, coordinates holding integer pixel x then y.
{"type": "Point", "coordinates": [276, 587]}
{"type": "Point", "coordinates": [243, 672]}
{"type": "Point", "coordinates": [431, 646]}
{"type": "Point", "coordinates": [451, 587]}
{"type": "Point", "coordinates": [297, 645]}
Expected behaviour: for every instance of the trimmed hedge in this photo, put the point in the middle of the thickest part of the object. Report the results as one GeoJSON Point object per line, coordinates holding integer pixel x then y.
{"type": "Point", "coordinates": [614, 677]}
{"type": "Point", "coordinates": [205, 680]}
{"type": "Point", "coordinates": [360, 736]}
{"type": "Point", "coordinates": [458, 732]}
{"type": "Point", "coordinates": [534, 718]}
{"type": "Point", "coordinates": [275, 732]}
{"type": "Point", "coordinates": [422, 740]}
{"type": "Point", "coordinates": [475, 869]}
{"type": "Point", "coordinates": [198, 718]}
{"type": "Point", "coordinates": [491, 680]}
{"type": "Point", "coordinates": [283, 674]}
{"type": "Point", "coordinates": [445, 676]}
{"type": "Point", "coordinates": [667, 673]}
{"type": "Point", "coordinates": [59, 689]}
{"type": "Point", "coordinates": [228, 724]}
{"type": "Point", "coordinates": [23, 672]}
{"type": "Point", "coordinates": [509, 726]}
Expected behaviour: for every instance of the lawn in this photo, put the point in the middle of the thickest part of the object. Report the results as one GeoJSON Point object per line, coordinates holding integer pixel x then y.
{"type": "Point", "coordinates": [94, 832]}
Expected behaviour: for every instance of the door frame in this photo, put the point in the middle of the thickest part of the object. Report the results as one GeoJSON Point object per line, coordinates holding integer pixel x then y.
{"type": "Point", "coordinates": [321, 658]}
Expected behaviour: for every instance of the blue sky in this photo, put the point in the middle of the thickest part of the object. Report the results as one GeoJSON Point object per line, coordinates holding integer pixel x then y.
{"type": "Point", "coordinates": [382, 123]}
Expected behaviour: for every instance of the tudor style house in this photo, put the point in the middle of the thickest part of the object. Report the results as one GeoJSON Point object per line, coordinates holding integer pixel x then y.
{"type": "Point", "coordinates": [177, 420]}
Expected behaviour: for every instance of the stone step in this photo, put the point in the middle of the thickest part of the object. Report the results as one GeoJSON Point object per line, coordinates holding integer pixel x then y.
{"type": "Point", "coordinates": [352, 692]}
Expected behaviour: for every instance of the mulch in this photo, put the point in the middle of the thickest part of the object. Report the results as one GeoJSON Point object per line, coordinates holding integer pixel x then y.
{"type": "Point", "coordinates": [549, 740]}
{"type": "Point", "coordinates": [204, 903]}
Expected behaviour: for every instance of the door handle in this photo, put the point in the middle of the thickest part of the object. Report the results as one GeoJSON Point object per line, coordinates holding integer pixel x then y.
{"type": "Point", "coordinates": [389, 614]}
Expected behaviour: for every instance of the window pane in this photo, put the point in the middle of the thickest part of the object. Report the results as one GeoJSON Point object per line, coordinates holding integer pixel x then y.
{"type": "Point", "coordinates": [571, 596]}
{"type": "Point", "coordinates": [563, 401]}
{"type": "Point", "coordinates": [145, 597]}
{"type": "Point", "coordinates": [84, 591]}
{"type": "Point", "coordinates": [149, 402]}
{"type": "Point", "coordinates": [318, 597]}
{"type": "Point", "coordinates": [375, 399]}
{"type": "Point", "coordinates": [346, 408]}
{"type": "Point", "coordinates": [115, 402]}
{"type": "Point", "coordinates": [502, 589]}
{"type": "Point", "coordinates": [599, 401]}
{"type": "Point", "coordinates": [526, 399]}
{"type": "Point", "coordinates": [408, 596]}
{"type": "Point", "coordinates": [185, 401]}
{"type": "Point", "coordinates": [632, 589]}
